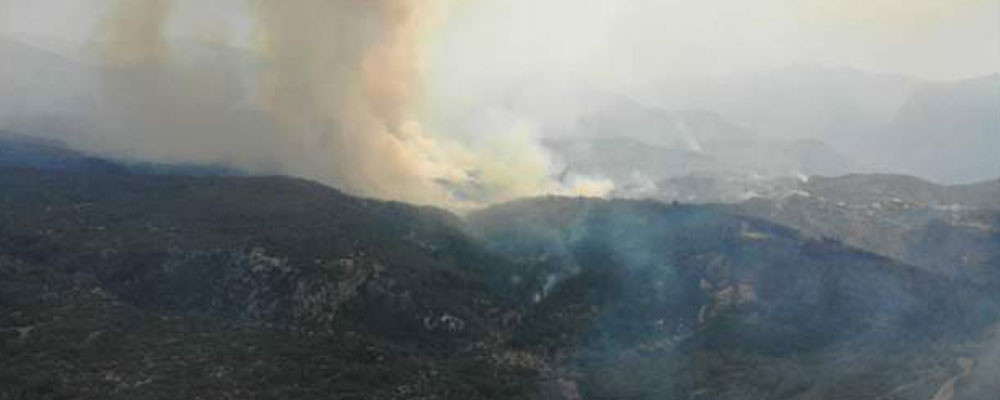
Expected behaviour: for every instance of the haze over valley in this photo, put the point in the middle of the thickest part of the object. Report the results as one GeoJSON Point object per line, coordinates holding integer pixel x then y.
{"type": "Point", "coordinates": [500, 199]}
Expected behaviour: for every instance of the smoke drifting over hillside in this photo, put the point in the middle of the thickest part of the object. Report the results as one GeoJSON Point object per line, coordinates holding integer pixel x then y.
{"type": "Point", "coordinates": [342, 83]}
{"type": "Point", "coordinates": [133, 32]}
{"type": "Point", "coordinates": [330, 90]}
{"type": "Point", "coordinates": [156, 102]}
{"type": "Point", "coordinates": [445, 102]}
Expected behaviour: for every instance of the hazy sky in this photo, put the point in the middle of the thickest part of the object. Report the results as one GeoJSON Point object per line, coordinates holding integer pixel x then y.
{"type": "Point", "coordinates": [639, 39]}
{"type": "Point", "coordinates": [392, 80]}
{"type": "Point", "coordinates": [73, 22]}
{"type": "Point", "coordinates": [630, 39]}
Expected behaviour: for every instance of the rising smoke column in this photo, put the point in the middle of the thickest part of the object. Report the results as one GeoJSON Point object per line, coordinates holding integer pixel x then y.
{"type": "Point", "coordinates": [132, 32]}
{"type": "Point", "coordinates": [133, 100]}
{"type": "Point", "coordinates": [345, 81]}
{"type": "Point", "coordinates": [157, 105]}
{"type": "Point", "coordinates": [337, 98]}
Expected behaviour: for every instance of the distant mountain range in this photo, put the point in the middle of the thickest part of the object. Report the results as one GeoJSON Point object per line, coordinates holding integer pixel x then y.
{"type": "Point", "coordinates": [800, 120]}
{"type": "Point", "coordinates": [944, 131]}
{"type": "Point", "coordinates": [617, 138]}
{"type": "Point", "coordinates": [947, 132]}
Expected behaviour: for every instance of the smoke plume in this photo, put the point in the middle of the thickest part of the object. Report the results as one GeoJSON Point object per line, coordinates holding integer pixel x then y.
{"type": "Point", "coordinates": [334, 92]}
{"type": "Point", "coordinates": [343, 81]}
{"type": "Point", "coordinates": [167, 103]}
{"type": "Point", "coordinates": [133, 32]}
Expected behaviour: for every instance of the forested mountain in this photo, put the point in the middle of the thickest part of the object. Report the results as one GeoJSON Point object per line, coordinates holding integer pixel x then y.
{"type": "Point", "coordinates": [117, 283]}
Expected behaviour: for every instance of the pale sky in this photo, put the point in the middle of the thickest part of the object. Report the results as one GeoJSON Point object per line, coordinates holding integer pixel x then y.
{"type": "Point", "coordinates": [639, 39]}
{"type": "Point", "coordinates": [72, 22]}
{"type": "Point", "coordinates": [627, 40]}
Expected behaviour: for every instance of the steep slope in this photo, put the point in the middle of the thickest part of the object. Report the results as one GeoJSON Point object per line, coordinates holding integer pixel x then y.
{"type": "Point", "coordinates": [694, 302]}
{"type": "Point", "coordinates": [122, 285]}
{"type": "Point", "coordinates": [176, 242]}
{"type": "Point", "coordinates": [950, 230]}
{"type": "Point", "coordinates": [948, 132]}
{"type": "Point", "coordinates": [263, 250]}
